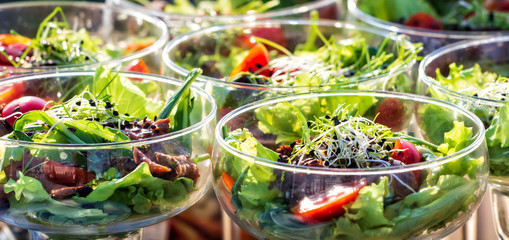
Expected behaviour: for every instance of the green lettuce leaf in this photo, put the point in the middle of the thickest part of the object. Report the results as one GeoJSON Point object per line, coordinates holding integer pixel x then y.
{"type": "Point", "coordinates": [280, 119]}
{"type": "Point", "coordinates": [128, 96]}
{"type": "Point", "coordinates": [394, 10]}
{"type": "Point", "coordinates": [251, 193]}
{"type": "Point", "coordinates": [455, 140]}
{"type": "Point", "coordinates": [466, 81]}
{"type": "Point", "coordinates": [143, 192]}
{"type": "Point", "coordinates": [497, 133]}
{"type": "Point", "coordinates": [431, 208]}
{"type": "Point", "coordinates": [31, 197]}
{"type": "Point", "coordinates": [368, 209]}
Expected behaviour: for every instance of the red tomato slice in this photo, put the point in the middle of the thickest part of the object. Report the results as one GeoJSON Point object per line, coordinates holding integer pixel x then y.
{"type": "Point", "coordinates": [391, 113]}
{"type": "Point", "coordinates": [423, 20]}
{"type": "Point", "coordinates": [497, 5]}
{"type": "Point", "coordinates": [327, 206]}
{"type": "Point", "coordinates": [257, 58]}
{"type": "Point", "coordinates": [408, 154]}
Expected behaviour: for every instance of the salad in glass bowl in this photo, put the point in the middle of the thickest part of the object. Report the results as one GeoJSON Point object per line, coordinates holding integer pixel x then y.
{"type": "Point", "coordinates": [77, 35]}
{"type": "Point", "coordinates": [432, 22]}
{"type": "Point", "coordinates": [474, 75]}
{"type": "Point", "coordinates": [89, 155]}
{"type": "Point", "coordinates": [184, 16]}
{"type": "Point", "coordinates": [343, 174]}
{"type": "Point", "coordinates": [246, 62]}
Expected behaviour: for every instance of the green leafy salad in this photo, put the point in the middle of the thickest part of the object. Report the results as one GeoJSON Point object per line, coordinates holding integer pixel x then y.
{"type": "Point", "coordinates": [219, 7]}
{"type": "Point", "coordinates": [286, 204]}
{"type": "Point", "coordinates": [462, 15]}
{"type": "Point", "coordinates": [57, 185]}
{"type": "Point", "coordinates": [56, 43]}
{"type": "Point", "coordinates": [481, 84]}
{"type": "Point", "coordinates": [271, 61]}
{"type": "Point", "coordinates": [333, 62]}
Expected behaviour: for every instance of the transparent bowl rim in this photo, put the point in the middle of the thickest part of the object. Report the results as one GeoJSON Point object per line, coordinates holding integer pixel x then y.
{"type": "Point", "coordinates": [399, 28]}
{"type": "Point", "coordinates": [478, 138]}
{"type": "Point", "coordinates": [158, 44]}
{"type": "Point", "coordinates": [298, 9]}
{"type": "Point", "coordinates": [452, 48]}
{"type": "Point", "coordinates": [174, 43]}
{"type": "Point", "coordinates": [77, 147]}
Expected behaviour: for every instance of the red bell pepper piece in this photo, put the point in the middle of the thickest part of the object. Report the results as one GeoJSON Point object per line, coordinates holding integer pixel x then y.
{"type": "Point", "coordinates": [138, 65]}
{"type": "Point", "coordinates": [228, 181]}
{"type": "Point", "coordinates": [256, 59]}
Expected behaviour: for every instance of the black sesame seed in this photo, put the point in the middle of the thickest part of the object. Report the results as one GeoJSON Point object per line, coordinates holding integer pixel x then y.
{"type": "Point", "coordinates": [108, 104]}
{"type": "Point", "coordinates": [327, 117]}
{"type": "Point", "coordinates": [78, 103]}
{"type": "Point", "coordinates": [91, 102]}
{"type": "Point", "coordinates": [292, 144]}
{"type": "Point", "coordinates": [72, 129]}
{"type": "Point", "coordinates": [153, 126]}
{"type": "Point", "coordinates": [155, 118]}
{"type": "Point", "coordinates": [145, 118]}
{"type": "Point", "coordinates": [115, 113]}
{"type": "Point", "coordinates": [127, 114]}
{"type": "Point", "coordinates": [258, 65]}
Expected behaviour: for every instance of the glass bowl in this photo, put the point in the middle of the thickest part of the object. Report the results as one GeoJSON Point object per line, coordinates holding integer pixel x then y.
{"type": "Point", "coordinates": [117, 28]}
{"type": "Point", "coordinates": [58, 167]}
{"type": "Point", "coordinates": [182, 23]}
{"type": "Point", "coordinates": [243, 169]}
{"type": "Point", "coordinates": [492, 56]}
{"type": "Point", "coordinates": [194, 49]}
{"type": "Point", "coordinates": [431, 39]}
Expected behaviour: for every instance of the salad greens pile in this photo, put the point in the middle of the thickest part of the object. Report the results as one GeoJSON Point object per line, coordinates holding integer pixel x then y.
{"type": "Point", "coordinates": [477, 83]}
{"type": "Point", "coordinates": [219, 7]}
{"type": "Point", "coordinates": [392, 206]}
{"type": "Point", "coordinates": [333, 62]}
{"type": "Point", "coordinates": [463, 15]}
{"type": "Point", "coordinates": [56, 44]}
{"type": "Point", "coordinates": [100, 186]}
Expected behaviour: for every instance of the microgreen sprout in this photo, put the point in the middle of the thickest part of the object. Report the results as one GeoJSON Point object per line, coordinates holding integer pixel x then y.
{"type": "Point", "coordinates": [344, 140]}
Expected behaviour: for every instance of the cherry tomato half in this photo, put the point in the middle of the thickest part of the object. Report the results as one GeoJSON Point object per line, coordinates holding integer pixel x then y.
{"type": "Point", "coordinates": [423, 20]}
{"type": "Point", "coordinates": [407, 153]}
{"type": "Point", "coordinates": [22, 105]}
{"type": "Point", "coordinates": [327, 206]}
{"type": "Point", "coordinates": [497, 5]}
{"type": "Point", "coordinates": [391, 113]}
